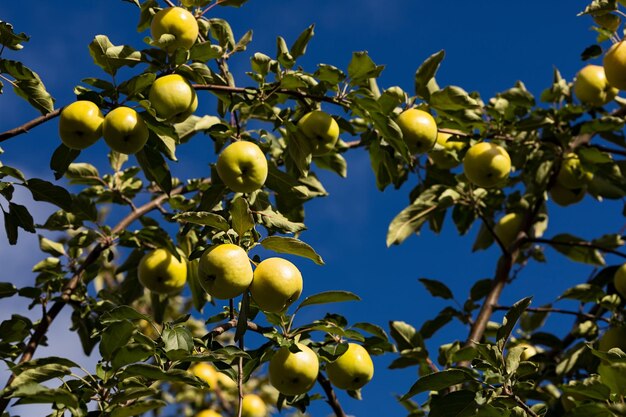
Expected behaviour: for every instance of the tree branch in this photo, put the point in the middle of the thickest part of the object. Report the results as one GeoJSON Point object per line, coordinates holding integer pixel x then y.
{"type": "Point", "coordinates": [580, 244]}
{"type": "Point", "coordinates": [29, 125]}
{"type": "Point", "coordinates": [331, 398]}
{"type": "Point", "coordinates": [579, 314]}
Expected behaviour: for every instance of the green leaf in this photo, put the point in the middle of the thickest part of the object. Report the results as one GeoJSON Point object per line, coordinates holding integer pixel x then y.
{"type": "Point", "coordinates": [299, 46]}
{"type": "Point", "coordinates": [292, 246]}
{"type": "Point", "coordinates": [41, 373]}
{"type": "Point", "coordinates": [131, 353]}
{"type": "Point", "coordinates": [275, 220]}
{"type": "Point", "coordinates": [405, 335]}
{"type": "Point", "coordinates": [426, 72]}
{"type": "Point", "coordinates": [361, 67]}
{"type": "Point", "coordinates": [10, 39]}
{"type": "Point", "coordinates": [408, 222]}
{"type": "Point", "coordinates": [61, 159]}
{"type": "Point", "coordinates": [28, 85]}
{"type": "Point", "coordinates": [439, 381]}
{"type": "Point", "coordinates": [437, 288]}
{"type": "Point", "coordinates": [455, 404]}
{"type": "Point", "coordinates": [204, 218]}
{"type": "Point", "coordinates": [333, 162]}
{"type": "Point", "coordinates": [110, 57]}
{"type": "Point", "coordinates": [10, 227]}
{"type": "Point", "coordinates": [233, 3]}
{"type": "Point", "coordinates": [510, 320]}
{"type": "Point", "coordinates": [46, 191]}
{"type": "Point", "coordinates": [33, 393]}
{"type": "Point", "coordinates": [7, 289]}
{"type": "Point", "coordinates": [51, 247]}
{"type": "Point", "coordinates": [205, 51]}
{"type": "Point", "coordinates": [241, 216]}
{"type": "Point", "coordinates": [585, 292]}
{"type": "Point", "coordinates": [81, 170]}
{"type": "Point", "coordinates": [116, 335]}
{"type": "Point", "coordinates": [155, 168]}
{"type": "Point", "coordinates": [598, 6]}
{"type": "Point", "coordinates": [452, 98]}
{"type": "Point", "coordinates": [328, 297]}
{"type": "Point", "coordinates": [576, 249]}
{"type": "Point", "coordinates": [122, 313]}
{"type": "Point", "coordinates": [137, 408]}
{"type": "Point", "coordinates": [22, 216]}
{"type": "Point", "coordinates": [178, 342]}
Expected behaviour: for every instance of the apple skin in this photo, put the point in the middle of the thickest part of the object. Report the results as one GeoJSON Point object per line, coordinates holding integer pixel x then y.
{"type": "Point", "coordinates": [173, 98]}
{"type": "Point", "coordinates": [591, 86]}
{"type": "Point", "coordinates": [80, 124]}
{"type": "Point", "coordinates": [293, 373]}
{"type": "Point", "coordinates": [487, 165]}
{"type": "Point", "coordinates": [614, 63]}
{"type": "Point", "coordinates": [160, 272]}
{"type": "Point", "coordinates": [208, 413]}
{"type": "Point", "coordinates": [276, 285]}
{"type": "Point", "coordinates": [225, 271]}
{"type": "Point", "coordinates": [242, 166]}
{"type": "Point", "coordinates": [124, 130]}
{"type": "Point", "coordinates": [619, 280]}
{"type": "Point", "coordinates": [608, 21]}
{"type": "Point", "coordinates": [443, 159]}
{"type": "Point", "coordinates": [419, 130]}
{"type": "Point", "coordinates": [572, 175]}
{"type": "Point", "coordinates": [178, 22]}
{"type": "Point", "coordinates": [508, 227]}
{"type": "Point", "coordinates": [352, 370]}
{"type": "Point", "coordinates": [564, 196]}
{"type": "Point", "coordinates": [206, 372]}
{"type": "Point", "coordinates": [614, 337]}
{"type": "Point", "coordinates": [321, 129]}
{"type": "Point", "coordinates": [253, 406]}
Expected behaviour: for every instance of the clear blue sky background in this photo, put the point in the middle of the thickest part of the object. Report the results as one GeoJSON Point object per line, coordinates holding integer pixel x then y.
{"type": "Point", "coordinates": [489, 46]}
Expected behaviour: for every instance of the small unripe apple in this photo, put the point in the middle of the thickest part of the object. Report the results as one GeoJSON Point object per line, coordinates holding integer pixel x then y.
{"type": "Point", "coordinates": [572, 174]}
{"type": "Point", "coordinates": [253, 406]}
{"type": "Point", "coordinates": [487, 164]}
{"type": "Point", "coordinates": [564, 196]}
{"type": "Point", "coordinates": [321, 130]}
{"type": "Point", "coordinates": [352, 370]}
{"type": "Point", "coordinates": [124, 130]}
{"type": "Point", "coordinates": [619, 280]}
{"type": "Point", "coordinates": [173, 98]}
{"type": "Point", "coordinates": [508, 227]}
{"type": "Point", "coordinates": [276, 285]}
{"type": "Point", "coordinates": [443, 158]}
{"type": "Point", "coordinates": [160, 272]}
{"type": "Point", "coordinates": [225, 271]}
{"type": "Point", "coordinates": [592, 87]}
{"type": "Point", "coordinates": [80, 124]}
{"type": "Point", "coordinates": [614, 63]}
{"type": "Point", "coordinates": [419, 130]}
{"type": "Point", "coordinates": [294, 373]}
{"type": "Point", "coordinates": [177, 22]}
{"type": "Point", "coordinates": [242, 166]}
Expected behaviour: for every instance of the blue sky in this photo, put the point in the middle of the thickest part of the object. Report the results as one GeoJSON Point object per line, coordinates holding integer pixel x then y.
{"type": "Point", "coordinates": [489, 46]}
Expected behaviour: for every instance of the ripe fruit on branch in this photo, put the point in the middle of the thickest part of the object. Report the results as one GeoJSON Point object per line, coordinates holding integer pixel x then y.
{"type": "Point", "coordinates": [253, 406]}
{"type": "Point", "coordinates": [321, 130]}
{"type": "Point", "coordinates": [619, 280]}
{"type": "Point", "coordinates": [615, 65]}
{"type": "Point", "coordinates": [225, 271]}
{"type": "Point", "coordinates": [124, 130]}
{"type": "Point", "coordinates": [242, 166]}
{"type": "Point", "coordinates": [592, 87]}
{"type": "Point", "coordinates": [294, 373]}
{"type": "Point", "coordinates": [564, 196]}
{"type": "Point", "coordinates": [179, 23]}
{"type": "Point", "coordinates": [173, 98]}
{"type": "Point", "coordinates": [80, 124]}
{"type": "Point", "coordinates": [419, 130]}
{"type": "Point", "coordinates": [206, 372]}
{"type": "Point", "coordinates": [276, 285]}
{"type": "Point", "coordinates": [444, 158]}
{"type": "Point", "coordinates": [352, 370]}
{"type": "Point", "coordinates": [508, 227]}
{"type": "Point", "coordinates": [487, 164]}
{"type": "Point", "coordinates": [572, 175]}
{"type": "Point", "coordinates": [208, 413]}
{"type": "Point", "coordinates": [160, 272]}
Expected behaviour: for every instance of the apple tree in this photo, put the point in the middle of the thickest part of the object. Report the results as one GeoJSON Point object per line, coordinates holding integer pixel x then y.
{"type": "Point", "coordinates": [181, 288]}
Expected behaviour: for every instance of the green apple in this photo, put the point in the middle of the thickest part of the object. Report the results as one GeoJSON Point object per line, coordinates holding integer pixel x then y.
{"type": "Point", "coordinates": [591, 86]}
{"type": "Point", "coordinates": [242, 166]}
{"type": "Point", "coordinates": [619, 281]}
{"type": "Point", "coordinates": [276, 285]}
{"type": "Point", "coordinates": [294, 373]}
{"type": "Point", "coordinates": [564, 196]}
{"type": "Point", "coordinates": [124, 130]}
{"type": "Point", "coordinates": [321, 129]}
{"type": "Point", "coordinates": [253, 406]}
{"type": "Point", "coordinates": [487, 164]}
{"type": "Point", "coordinates": [80, 124]}
{"type": "Point", "coordinates": [160, 272]}
{"type": "Point", "coordinates": [572, 174]}
{"type": "Point", "coordinates": [225, 271]}
{"type": "Point", "coordinates": [206, 372]}
{"type": "Point", "coordinates": [608, 21]}
{"type": "Point", "coordinates": [173, 98]}
{"type": "Point", "coordinates": [179, 23]}
{"type": "Point", "coordinates": [208, 413]}
{"type": "Point", "coordinates": [419, 130]}
{"type": "Point", "coordinates": [613, 375]}
{"type": "Point", "coordinates": [614, 337]}
{"type": "Point", "coordinates": [447, 157]}
{"type": "Point", "coordinates": [614, 63]}
{"type": "Point", "coordinates": [508, 227]}
{"type": "Point", "coordinates": [352, 370]}
{"type": "Point", "coordinates": [528, 352]}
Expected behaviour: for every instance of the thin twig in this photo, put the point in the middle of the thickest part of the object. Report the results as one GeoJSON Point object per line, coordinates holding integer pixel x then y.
{"type": "Point", "coordinates": [557, 310]}
{"type": "Point", "coordinates": [29, 125]}
{"type": "Point", "coordinates": [331, 397]}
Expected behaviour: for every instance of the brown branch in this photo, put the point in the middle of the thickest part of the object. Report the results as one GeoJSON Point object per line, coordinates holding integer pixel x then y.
{"type": "Point", "coordinates": [580, 244]}
{"type": "Point", "coordinates": [29, 125]}
{"type": "Point", "coordinates": [579, 314]}
{"type": "Point", "coordinates": [331, 397]}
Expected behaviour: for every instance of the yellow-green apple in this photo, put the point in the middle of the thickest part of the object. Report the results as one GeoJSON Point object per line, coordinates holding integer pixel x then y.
{"type": "Point", "coordinates": [225, 271]}
{"type": "Point", "coordinates": [508, 227]}
{"type": "Point", "coordinates": [352, 370]}
{"type": "Point", "coordinates": [80, 124]}
{"type": "Point", "coordinates": [486, 164]}
{"type": "Point", "coordinates": [294, 373]}
{"type": "Point", "coordinates": [179, 23]}
{"type": "Point", "coordinates": [321, 129]}
{"type": "Point", "coordinates": [614, 63]}
{"type": "Point", "coordinates": [608, 21]}
{"type": "Point", "coordinates": [276, 284]}
{"type": "Point", "coordinates": [160, 271]}
{"type": "Point", "coordinates": [173, 98]}
{"type": "Point", "coordinates": [591, 86]}
{"type": "Point", "coordinates": [614, 337]}
{"type": "Point", "coordinates": [619, 280]}
{"type": "Point", "coordinates": [253, 406]}
{"type": "Point", "coordinates": [124, 130]}
{"type": "Point", "coordinates": [447, 157]}
{"type": "Point", "coordinates": [206, 372]}
{"type": "Point", "coordinates": [572, 174]}
{"type": "Point", "coordinates": [208, 413]}
{"type": "Point", "coordinates": [242, 166]}
{"type": "Point", "coordinates": [564, 196]}
{"type": "Point", "coordinates": [419, 130]}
